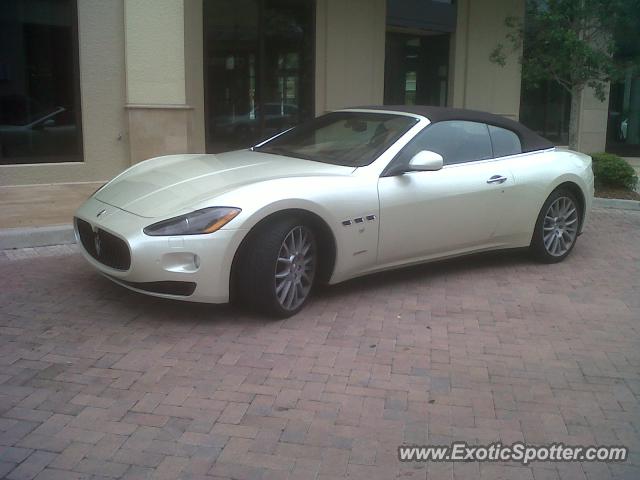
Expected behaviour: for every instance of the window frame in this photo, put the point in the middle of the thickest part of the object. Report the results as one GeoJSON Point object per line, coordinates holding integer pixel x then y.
{"type": "Point", "coordinates": [493, 150]}
{"type": "Point", "coordinates": [394, 161]}
{"type": "Point", "coordinates": [305, 110]}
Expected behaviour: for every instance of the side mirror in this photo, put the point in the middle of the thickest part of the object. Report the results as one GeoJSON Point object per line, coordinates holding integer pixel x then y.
{"type": "Point", "coordinates": [426, 161]}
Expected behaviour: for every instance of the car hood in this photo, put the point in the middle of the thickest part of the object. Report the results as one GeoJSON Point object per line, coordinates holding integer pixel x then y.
{"type": "Point", "coordinates": [169, 185]}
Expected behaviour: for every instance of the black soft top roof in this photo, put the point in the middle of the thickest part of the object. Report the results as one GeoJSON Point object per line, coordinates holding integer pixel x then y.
{"type": "Point", "coordinates": [530, 140]}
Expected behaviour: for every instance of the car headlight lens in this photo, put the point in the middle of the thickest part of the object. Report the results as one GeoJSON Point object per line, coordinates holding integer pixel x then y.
{"type": "Point", "coordinates": [207, 220]}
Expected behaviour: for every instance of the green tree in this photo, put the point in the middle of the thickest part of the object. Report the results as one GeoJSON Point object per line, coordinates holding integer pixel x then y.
{"type": "Point", "coordinates": [576, 43]}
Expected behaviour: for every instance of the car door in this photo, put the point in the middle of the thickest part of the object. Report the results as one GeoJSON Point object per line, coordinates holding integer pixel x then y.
{"type": "Point", "coordinates": [436, 213]}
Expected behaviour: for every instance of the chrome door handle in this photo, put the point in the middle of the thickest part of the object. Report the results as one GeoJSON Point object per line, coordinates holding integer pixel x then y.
{"type": "Point", "coordinates": [497, 179]}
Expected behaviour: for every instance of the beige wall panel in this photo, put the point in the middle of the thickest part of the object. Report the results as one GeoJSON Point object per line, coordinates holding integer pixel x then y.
{"type": "Point", "coordinates": [349, 53]}
{"type": "Point", "coordinates": [478, 83]}
{"type": "Point", "coordinates": [102, 88]}
{"type": "Point", "coordinates": [460, 47]}
{"type": "Point", "coordinates": [592, 129]}
{"type": "Point", "coordinates": [154, 36]}
{"type": "Point", "coordinates": [157, 132]}
{"type": "Point", "coordinates": [594, 120]}
{"type": "Point", "coordinates": [591, 142]}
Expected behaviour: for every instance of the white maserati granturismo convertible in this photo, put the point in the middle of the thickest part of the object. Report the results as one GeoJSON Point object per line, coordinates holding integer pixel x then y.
{"type": "Point", "coordinates": [352, 192]}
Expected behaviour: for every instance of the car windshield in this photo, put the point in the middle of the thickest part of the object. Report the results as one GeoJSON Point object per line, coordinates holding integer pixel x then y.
{"type": "Point", "coordinates": [351, 139]}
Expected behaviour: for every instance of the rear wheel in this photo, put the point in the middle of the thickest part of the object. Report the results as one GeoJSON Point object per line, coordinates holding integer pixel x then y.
{"type": "Point", "coordinates": [557, 227]}
{"type": "Point", "coordinates": [278, 268]}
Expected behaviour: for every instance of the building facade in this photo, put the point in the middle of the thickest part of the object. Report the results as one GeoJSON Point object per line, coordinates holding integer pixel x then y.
{"type": "Point", "coordinates": [89, 87]}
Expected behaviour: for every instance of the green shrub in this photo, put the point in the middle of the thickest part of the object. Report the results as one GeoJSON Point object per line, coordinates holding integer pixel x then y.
{"type": "Point", "coordinates": [613, 171]}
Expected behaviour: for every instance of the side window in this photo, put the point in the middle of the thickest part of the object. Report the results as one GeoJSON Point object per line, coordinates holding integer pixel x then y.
{"type": "Point", "coordinates": [457, 141]}
{"type": "Point", "coordinates": [505, 142]}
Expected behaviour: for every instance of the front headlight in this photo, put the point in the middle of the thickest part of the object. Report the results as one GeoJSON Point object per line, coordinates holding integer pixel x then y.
{"type": "Point", "coordinates": [207, 220]}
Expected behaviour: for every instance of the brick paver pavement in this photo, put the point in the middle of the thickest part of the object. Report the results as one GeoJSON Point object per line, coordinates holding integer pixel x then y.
{"type": "Point", "coordinates": [99, 382]}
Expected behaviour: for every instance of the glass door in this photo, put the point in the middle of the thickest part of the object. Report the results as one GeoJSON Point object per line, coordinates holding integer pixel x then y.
{"type": "Point", "coordinates": [623, 132]}
{"type": "Point", "coordinates": [258, 69]}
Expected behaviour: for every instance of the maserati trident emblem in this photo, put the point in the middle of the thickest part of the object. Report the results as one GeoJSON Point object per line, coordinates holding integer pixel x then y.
{"type": "Point", "coordinates": [101, 212]}
{"type": "Point", "coordinates": [97, 243]}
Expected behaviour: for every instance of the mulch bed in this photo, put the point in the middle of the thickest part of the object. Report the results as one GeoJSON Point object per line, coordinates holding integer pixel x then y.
{"type": "Point", "coordinates": [612, 192]}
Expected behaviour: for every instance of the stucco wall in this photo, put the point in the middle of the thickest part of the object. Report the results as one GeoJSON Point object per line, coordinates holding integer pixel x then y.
{"type": "Point", "coordinates": [476, 82]}
{"type": "Point", "coordinates": [154, 35]}
{"type": "Point", "coordinates": [592, 123]}
{"type": "Point", "coordinates": [102, 90]}
{"type": "Point", "coordinates": [350, 36]}
{"type": "Point", "coordinates": [157, 45]}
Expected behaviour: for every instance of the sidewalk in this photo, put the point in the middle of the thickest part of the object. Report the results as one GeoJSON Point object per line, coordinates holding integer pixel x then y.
{"type": "Point", "coordinates": [39, 215]}
{"type": "Point", "coordinates": [42, 205]}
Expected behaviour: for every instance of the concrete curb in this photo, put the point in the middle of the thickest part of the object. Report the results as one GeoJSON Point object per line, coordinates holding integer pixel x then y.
{"type": "Point", "coordinates": [36, 236]}
{"type": "Point", "coordinates": [616, 203]}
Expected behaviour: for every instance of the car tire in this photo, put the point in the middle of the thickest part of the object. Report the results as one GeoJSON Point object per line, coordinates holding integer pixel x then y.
{"type": "Point", "coordinates": [557, 227]}
{"type": "Point", "coordinates": [278, 268]}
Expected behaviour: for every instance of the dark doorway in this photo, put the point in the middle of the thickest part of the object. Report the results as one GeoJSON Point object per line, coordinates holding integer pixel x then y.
{"type": "Point", "coordinates": [416, 68]}
{"type": "Point", "coordinates": [623, 132]}
{"type": "Point", "coordinates": [259, 69]}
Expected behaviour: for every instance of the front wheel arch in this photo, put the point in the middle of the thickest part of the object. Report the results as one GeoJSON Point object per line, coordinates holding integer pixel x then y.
{"type": "Point", "coordinates": [325, 238]}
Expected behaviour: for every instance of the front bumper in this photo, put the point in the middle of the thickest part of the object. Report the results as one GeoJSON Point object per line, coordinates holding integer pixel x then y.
{"type": "Point", "coordinates": [192, 267]}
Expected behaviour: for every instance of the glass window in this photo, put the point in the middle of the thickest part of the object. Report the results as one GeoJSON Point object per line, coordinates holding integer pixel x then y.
{"type": "Point", "coordinates": [545, 109]}
{"type": "Point", "coordinates": [416, 68]}
{"type": "Point", "coordinates": [623, 132]}
{"type": "Point", "coordinates": [505, 142]}
{"type": "Point", "coordinates": [457, 141]}
{"type": "Point", "coordinates": [40, 119]}
{"type": "Point", "coordinates": [258, 69]}
{"type": "Point", "coordinates": [344, 138]}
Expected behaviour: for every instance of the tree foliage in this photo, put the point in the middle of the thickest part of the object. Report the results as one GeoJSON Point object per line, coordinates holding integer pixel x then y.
{"type": "Point", "coordinates": [576, 43]}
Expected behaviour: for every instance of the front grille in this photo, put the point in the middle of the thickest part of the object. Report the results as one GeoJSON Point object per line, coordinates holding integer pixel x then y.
{"type": "Point", "coordinates": [103, 246]}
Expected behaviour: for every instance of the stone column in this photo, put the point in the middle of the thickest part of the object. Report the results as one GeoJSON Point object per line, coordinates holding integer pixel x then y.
{"type": "Point", "coordinates": [350, 39]}
{"type": "Point", "coordinates": [474, 81]}
{"type": "Point", "coordinates": [592, 122]}
{"type": "Point", "coordinates": [160, 120]}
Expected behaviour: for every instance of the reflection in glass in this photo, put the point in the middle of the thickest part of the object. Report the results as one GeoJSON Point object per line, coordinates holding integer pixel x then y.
{"type": "Point", "coordinates": [545, 109]}
{"type": "Point", "coordinates": [416, 68]}
{"type": "Point", "coordinates": [39, 89]}
{"type": "Point", "coordinates": [351, 139]}
{"type": "Point", "coordinates": [623, 133]}
{"type": "Point", "coordinates": [259, 67]}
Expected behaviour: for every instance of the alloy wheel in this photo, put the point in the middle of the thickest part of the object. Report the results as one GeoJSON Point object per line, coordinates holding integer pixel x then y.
{"type": "Point", "coordinates": [560, 227]}
{"type": "Point", "coordinates": [295, 268]}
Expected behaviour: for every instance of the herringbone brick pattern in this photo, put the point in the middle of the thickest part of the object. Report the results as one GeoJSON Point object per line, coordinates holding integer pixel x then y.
{"type": "Point", "coordinates": [99, 382]}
